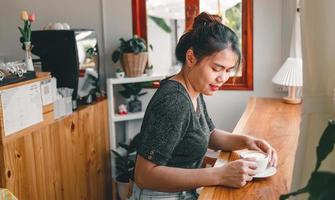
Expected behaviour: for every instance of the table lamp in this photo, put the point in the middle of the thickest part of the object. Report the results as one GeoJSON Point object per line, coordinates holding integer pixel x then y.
{"type": "Point", "coordinates": [290, 75]}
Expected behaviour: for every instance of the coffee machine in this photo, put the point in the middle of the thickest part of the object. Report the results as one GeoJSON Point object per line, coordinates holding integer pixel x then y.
{"type": "Point", "coordinates": [72, 57]}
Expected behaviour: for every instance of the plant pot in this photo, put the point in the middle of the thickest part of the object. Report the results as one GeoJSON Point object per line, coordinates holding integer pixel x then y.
{"type": "Point", "coordinates": [119, 74]}
{"type": "Point", "coordinates": [122, 187]}
{"type": "Point", "coordinates": [135, 105]}
{"type": "Point", "coordinates": [149, 71]}
{"type": "Point", "coordinates": [134, 64]}
{"type": "Point", "coordinates": [29, 60]}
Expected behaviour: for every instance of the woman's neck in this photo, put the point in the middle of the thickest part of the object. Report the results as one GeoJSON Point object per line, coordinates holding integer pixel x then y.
{"type": "Point", "coordinates": [182, 77]}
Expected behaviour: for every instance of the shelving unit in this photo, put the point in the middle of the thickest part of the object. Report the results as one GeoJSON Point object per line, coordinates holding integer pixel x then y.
{"type": "Point", "coordinates": [129, 116]}
{"type": "Point", "coordinates": [112, 115]}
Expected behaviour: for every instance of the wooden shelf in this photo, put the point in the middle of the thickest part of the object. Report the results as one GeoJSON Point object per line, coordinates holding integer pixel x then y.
{"type": "Point", "coordinates": [127, 117]}
{"type": "Point", "coordinates": [40, 76]}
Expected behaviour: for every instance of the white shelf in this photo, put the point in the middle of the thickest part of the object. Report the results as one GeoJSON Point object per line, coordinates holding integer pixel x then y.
{"type": "Point", "coordinates": [127, 117]}
{"type": "Point", "coordinates": [143, 78]}
{"type": "Point", "coordinates": [115, 118]}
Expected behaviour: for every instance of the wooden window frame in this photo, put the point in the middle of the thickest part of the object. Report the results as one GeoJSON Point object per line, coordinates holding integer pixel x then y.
{"type": "Point", "coordinates": [245, 82]}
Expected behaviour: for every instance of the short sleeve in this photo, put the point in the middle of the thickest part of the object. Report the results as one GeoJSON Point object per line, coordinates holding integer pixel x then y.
{"type": "Point", "coordinates": [208, 119]}
{"type": "Point", "coordinates": [163, 127]}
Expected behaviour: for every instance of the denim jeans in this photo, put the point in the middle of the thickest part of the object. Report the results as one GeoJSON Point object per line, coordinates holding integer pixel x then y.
{"type": "Point", "coordinates": [145, 194]}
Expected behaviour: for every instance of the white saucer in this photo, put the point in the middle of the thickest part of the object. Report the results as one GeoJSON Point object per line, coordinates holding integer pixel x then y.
{"type": "Point", "coordinates": [270, 171]}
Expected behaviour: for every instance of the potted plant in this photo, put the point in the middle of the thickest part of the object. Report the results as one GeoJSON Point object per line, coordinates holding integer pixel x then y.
{"type": "Point", "coordinates": [132, 91]}
{"type": "Point", "coordinates": [25, 31]}
{"type": "Point", "coordinates": [149, 70]}
{"type": "Point", "coordinates": [133, 55]}
{"type": "Point", "coordinates": [119, 73]}
{"type": "Point", "coordinates": [124, 165]}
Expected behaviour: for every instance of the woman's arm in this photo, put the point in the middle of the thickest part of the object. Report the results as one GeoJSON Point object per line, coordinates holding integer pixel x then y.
{"type": "Point", "coordinates": [222, 140]}
{"type": "Point", "coordinates": [148, 175]}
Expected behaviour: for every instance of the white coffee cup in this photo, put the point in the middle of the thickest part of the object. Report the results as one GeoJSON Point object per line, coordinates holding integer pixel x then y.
{"type": "Point", "coordinates": [262, 159]}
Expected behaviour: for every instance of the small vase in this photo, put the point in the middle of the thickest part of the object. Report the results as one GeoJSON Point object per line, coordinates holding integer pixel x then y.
{"type": "Point", "coordinates": [29, 60]}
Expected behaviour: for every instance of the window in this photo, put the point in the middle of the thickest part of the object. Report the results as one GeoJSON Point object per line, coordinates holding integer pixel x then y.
{"type": "Point", "coordinates": [244, 79]}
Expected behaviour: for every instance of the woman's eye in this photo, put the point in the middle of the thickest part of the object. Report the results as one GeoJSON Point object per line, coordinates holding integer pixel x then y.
{"type": "Point", "coordinates": [217, 69]}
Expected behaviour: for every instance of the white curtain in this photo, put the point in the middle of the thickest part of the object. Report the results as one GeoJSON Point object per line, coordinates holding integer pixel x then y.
{"type": "Point", "coordinates": [318, 52]}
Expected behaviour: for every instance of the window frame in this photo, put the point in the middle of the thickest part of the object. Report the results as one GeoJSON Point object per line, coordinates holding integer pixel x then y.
{"type": "Point", "coordinates": [245, 82]}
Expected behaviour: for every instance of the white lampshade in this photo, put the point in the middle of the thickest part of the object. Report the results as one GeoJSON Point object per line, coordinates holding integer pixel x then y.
{"type": "Point", "coordinates": [290, 73]}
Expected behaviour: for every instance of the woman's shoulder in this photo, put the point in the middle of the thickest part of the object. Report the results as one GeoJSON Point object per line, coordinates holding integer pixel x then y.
{"type": "Point", "coordinates": [170, 93]}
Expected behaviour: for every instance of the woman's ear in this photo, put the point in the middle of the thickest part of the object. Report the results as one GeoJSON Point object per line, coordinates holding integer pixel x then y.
{"type": "Point", "coordinates": [191, 60]}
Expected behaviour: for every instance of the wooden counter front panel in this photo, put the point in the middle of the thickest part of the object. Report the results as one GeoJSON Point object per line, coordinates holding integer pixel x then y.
{"type": "Point", "coordinates": [66, 160]}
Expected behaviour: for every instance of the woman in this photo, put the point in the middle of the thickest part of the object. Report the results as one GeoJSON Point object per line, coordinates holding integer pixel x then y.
{"type": "Point", "coordinates": [177, 130]}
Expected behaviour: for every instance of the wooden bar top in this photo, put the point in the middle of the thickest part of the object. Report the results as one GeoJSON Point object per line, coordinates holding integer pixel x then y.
{"type": "Point", "coordinates": [278, 123]}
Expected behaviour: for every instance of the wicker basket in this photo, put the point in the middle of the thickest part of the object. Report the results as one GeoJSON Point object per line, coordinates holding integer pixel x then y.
{"type": "Point", "coordinates": [134, 64]}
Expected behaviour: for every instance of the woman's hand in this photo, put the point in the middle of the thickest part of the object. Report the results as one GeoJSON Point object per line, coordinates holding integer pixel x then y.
{"type": "Point", "coordinates": [262, 145]}
{"type": "Point", "coordinates": [236, 173]}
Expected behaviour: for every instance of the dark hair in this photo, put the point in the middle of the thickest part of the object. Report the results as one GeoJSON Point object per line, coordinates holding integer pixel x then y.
{"type": "Point", "coordinates": [208, 35]}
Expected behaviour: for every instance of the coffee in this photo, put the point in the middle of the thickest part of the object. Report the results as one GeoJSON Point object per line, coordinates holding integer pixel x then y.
{"type": "Point", "coordinates": [261, 159]}
{"type": "Point", "coordinates": [256, 155]}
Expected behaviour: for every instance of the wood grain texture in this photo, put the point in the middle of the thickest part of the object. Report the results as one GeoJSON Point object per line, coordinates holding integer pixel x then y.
{"type": "Point", "coordinates": [278, 123]}
{"type": "Point", "coordinates": [67, 159]}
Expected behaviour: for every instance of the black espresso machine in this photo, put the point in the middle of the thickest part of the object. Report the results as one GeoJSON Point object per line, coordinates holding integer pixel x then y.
{"type": "Point", "coordinates": [72, 58]}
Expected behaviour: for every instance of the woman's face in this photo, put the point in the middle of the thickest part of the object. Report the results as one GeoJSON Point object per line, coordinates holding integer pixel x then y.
{"type": "Point", "coordinates": [208, 75]}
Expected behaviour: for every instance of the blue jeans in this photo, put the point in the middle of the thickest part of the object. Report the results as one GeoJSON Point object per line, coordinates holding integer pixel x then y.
{"type": "Point", "coordinates": [139, 194]}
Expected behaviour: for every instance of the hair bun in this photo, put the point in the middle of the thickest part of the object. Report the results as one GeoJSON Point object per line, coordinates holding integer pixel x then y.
{"type": "Point", "coordinates": [204, 19]}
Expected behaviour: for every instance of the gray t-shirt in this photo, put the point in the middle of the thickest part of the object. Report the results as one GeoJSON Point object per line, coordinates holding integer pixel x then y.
{"type": "Point", "coordinates": [174, 134]}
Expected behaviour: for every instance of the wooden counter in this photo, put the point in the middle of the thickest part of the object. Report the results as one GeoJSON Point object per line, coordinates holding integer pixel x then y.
{"type": "Point", "coordinates": [278, 123]}
{"type": "Point", "coordinates": [63, 159]}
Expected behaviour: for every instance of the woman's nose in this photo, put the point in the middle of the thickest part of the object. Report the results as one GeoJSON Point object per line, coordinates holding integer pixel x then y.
{"type": "Point", "coordinates": [223, 77]}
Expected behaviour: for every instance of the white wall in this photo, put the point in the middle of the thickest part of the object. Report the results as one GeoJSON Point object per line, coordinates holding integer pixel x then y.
{"type": "Point", "coordinates": [78, 13]}
{"type": "Point", "coordinates": [117, 23]}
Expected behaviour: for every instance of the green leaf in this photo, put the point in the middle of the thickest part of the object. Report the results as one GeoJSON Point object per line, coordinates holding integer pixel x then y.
{"type": "Point", "coordinates": [119, 156]}
{"type": "Point", "coordinates": [141, 94]}
{"type": "Point", "coordinates": [161, 23]}
{"type": "Point", "coordinates": [300, 191]}
{"type": "Point", "coordinates": [25, 26]}
{"type": "Point", "coordinates": [320, 184]}
{"type": "Point", "coordinates": [21, 31]}
{"type": "Point", "coordinates": [116, 56]}
{"type": "Point", "coordinates": [29, 34]}
{"type": "Point", "coordinates": [121, 169]}
{"type": "Point", "coordinates": [326, 144]}
{"type": "Point", "coordinates": [123, 145]}
{"type": "Point", "coordinates": [134, 142]}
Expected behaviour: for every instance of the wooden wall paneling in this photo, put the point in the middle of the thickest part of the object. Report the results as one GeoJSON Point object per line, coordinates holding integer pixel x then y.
{"type": "Point", "coordinates": [50, 162]}
{"type": "Point", "coordinates": [20, 168]}
{"type": "Point", "coordinates": [65, 134]}
{"type": "Point", "coordinates": [93, 126]}
{"type": "Point", "coordinates": [68, 159]}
